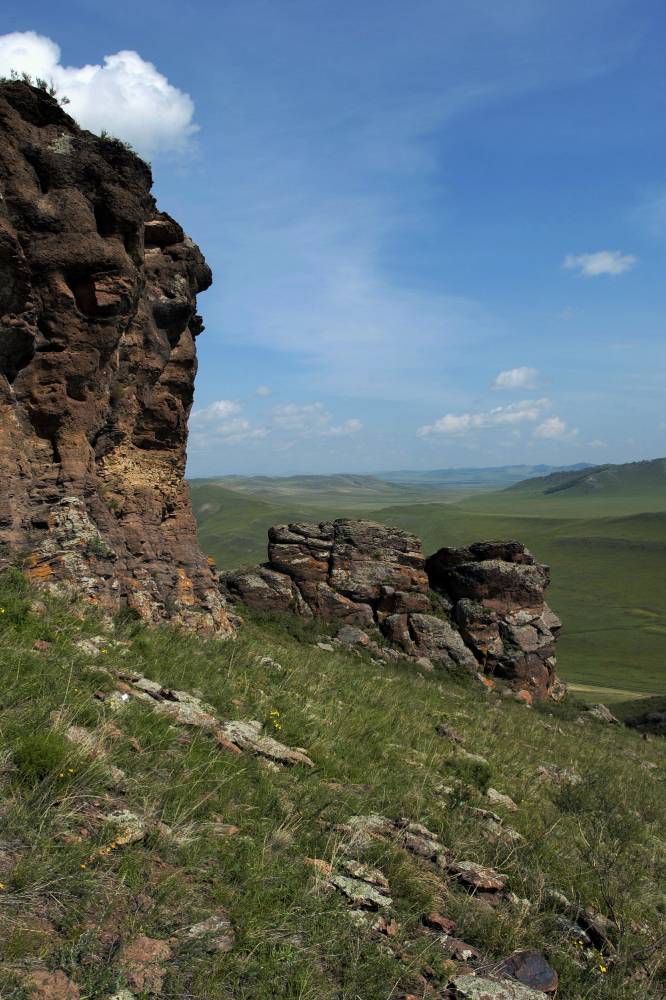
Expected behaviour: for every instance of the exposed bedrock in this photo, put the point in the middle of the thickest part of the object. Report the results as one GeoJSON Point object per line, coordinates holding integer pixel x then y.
{"type": "Point", "coordinates": [481, 607]}
{"type": "Point", "coordinates": [97, 363]}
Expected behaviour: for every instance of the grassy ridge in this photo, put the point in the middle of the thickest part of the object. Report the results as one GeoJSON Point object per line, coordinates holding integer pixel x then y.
{"type": "Point", "coordinates": [73, 897]}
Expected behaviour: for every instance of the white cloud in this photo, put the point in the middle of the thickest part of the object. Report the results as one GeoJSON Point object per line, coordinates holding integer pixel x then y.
{"type": "Point", "coordinates": [125, 95]}
{"type": "Point", "coordinates": [500, 416]}
{"type": "Point", "coordinates": [219, 423]}
{"type": "Point", "coordinates": [311, 419]}
{"type": "Point", "coordinates": [517, 378]}
{"type": "Point", "coordinates": [219, 410]}
{"type": "Point", "coordinates": [352, 426]}
{"type": "Point", "coordinates": [293, 417]}
{"type": "Point", "coordinates": [264, 390]}
{"type": "Point", "coordinates": [554, 427]}
{"type": "Point", "coordinates": [591, 265]}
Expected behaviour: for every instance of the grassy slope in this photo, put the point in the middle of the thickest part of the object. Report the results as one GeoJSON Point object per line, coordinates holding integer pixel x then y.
{"type": "Point", "coordinates": [606, 553]}
{"type": "Point", "coordinates": [371, 733]}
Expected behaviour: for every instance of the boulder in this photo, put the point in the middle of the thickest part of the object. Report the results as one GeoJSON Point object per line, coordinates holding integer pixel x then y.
{"type": "Point", "coordinates": [531, 969]}
{"type": "Point", "coordinates": [479, 608]}
{"type": "Point", "coordinates": [262, 589]}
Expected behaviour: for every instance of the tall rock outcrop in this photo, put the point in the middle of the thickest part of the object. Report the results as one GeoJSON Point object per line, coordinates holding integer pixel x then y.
{"type": "Point", "coordinates": [481, 608]}
{"type": "Point", "coordinates": [97, 363]}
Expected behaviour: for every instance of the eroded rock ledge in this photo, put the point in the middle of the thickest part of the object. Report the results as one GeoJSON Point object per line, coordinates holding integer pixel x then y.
{"type": "Point", "coordinates": [97, 363]}
{"type": "Point", "coordinates": [482, 608]}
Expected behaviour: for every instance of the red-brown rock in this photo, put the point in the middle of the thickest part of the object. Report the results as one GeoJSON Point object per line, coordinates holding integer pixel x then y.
{"type": "Point", "coordinates": [97, 363]}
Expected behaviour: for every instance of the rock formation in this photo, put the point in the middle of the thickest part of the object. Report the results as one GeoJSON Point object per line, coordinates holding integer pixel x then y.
{"type": "Point", "coordinates": [97, 363]}
{"type": "Point", "coordinates": [481, 608]}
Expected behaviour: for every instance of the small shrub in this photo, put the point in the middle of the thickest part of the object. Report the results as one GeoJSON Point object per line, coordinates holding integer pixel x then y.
{"type": "Point", "coordinates": [40, 755]}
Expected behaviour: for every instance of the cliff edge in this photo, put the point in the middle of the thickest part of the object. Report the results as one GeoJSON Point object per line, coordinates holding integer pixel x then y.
{"type": "Point", "coordinates": [97, 363]}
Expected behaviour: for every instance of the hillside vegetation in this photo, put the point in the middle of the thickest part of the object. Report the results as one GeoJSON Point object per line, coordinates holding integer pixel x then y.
{"type": "Point", "coordinates": [141, 850]}
{"type": "Point", "coordinates": [606, 547]}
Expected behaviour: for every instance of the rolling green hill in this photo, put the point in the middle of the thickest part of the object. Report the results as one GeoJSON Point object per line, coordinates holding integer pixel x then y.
{"type": "Point", "coordinates": [604, 490]}
{"type": "Point", "coordinates": [342, 490]}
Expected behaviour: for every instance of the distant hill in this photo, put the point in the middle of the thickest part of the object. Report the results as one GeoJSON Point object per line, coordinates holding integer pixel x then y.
{"type": "Point", "coordinates": [630, 480]}
{"type": "Point", "coordinates": [340, 490]}
{"type": "Point", "coordinates": [491, 478]}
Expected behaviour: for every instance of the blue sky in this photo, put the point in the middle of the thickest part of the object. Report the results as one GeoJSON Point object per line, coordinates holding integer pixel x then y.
{"type": "Point", "coordinates": [437, 229]}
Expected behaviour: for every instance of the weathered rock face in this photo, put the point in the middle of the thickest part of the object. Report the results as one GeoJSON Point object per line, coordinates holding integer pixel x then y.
{"type": "Point", "coordinates": [97, 364]}
{"type": "Point", "coordinates": [498, 595]}
{"type": "Point", "coordinates": [481, 608]}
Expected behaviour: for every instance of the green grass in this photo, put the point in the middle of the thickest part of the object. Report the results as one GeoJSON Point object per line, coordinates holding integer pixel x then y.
{"type": "Point", "coordinates": [370, 731]}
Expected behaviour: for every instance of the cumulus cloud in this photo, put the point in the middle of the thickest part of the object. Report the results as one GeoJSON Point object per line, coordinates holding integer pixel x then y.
{"type": "Point", "coordinates": [125, 95]}
{"type": "Point", "coordinates": [219, 422]}
{"type": "Point", "coordinates": [263, 390]}
{"type": "Point", "coordinates": [517, 378]}
{"type": "Point", "coordinates": [554, 427]}
{"type": "Point", "coordinates": [295, 417]}
{"type": "Point", "coordinates": [500, 416]}
{"type": "Point", "coordinates": [592, 265]}
{"type": "Point", "coordinates": [312, 419]}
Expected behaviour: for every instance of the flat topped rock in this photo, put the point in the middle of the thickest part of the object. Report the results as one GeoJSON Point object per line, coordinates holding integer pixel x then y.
{"type": "Point", "coordinates": [479, 988]}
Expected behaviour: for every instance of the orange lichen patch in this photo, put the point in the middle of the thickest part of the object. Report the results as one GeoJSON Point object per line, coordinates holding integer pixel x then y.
{"type": "Point", "coordinates": [322, 866]}
{"type": "Point", "coordinates": [38, 572]}
{"type": "Point", "coordinates": [524, 696]}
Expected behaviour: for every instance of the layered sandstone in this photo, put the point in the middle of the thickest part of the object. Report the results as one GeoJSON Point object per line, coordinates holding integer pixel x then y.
{"type": "Point", "coordinates": [480, 608]}
{"type": "Point", "coordinates": [97, 362]}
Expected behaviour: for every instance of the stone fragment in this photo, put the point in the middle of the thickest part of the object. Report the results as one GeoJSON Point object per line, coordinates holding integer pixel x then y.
{"type": "Point", "coordinates": [457, 949]}
{"type": "Point", "coordinates": [360, 893]}
{"type": "Point", "coordinates": [142, 962]}
{"type": "Point", "coordinates": [215, 933]}
{"type": "Point", "coordinates": [365, 873]}
{"type": "Point", "coordinates": [248, 736]}
{"type": "Point", "coordinates": [51, 986]}
{"type": "Point", "coordinates": [129, 828]}
{"type": "Point", "coordinates": [558, 775]}
{"type": "Point", "coordinates": [437, 922]}
{"type": "Point", "coordinates": [500, 799]}
{"type": "Point", "coordinates": [384, 926]}
{"type": "Point", "coordinates": [262, 588]}
{"type": "Point", "coordinates": [477, 876]}
{"type": "Point", "coordinates": [530, 968]}
{"type": "Point", "coordinates": [472, 987]}
{"type": "Point", "coordinates": [602, 713]}
{"type": "Point", "coordinates": [351, 635]}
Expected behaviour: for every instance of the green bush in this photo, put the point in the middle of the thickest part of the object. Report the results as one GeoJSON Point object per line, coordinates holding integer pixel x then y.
{"type": "Point", "coordinates": [41, 755]}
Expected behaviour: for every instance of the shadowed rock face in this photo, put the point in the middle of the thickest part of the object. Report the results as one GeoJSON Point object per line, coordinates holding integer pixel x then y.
{"type": "Point", "coordinates": [480, 608]}
{"type": "Point", "coordinates": [97, 363]}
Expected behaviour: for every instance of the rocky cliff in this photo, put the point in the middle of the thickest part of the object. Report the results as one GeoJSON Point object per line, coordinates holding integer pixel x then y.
{"type": "Point", "coordinates": [480, 608]}
{"type": "Point", "coordinates": [97, 362]}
